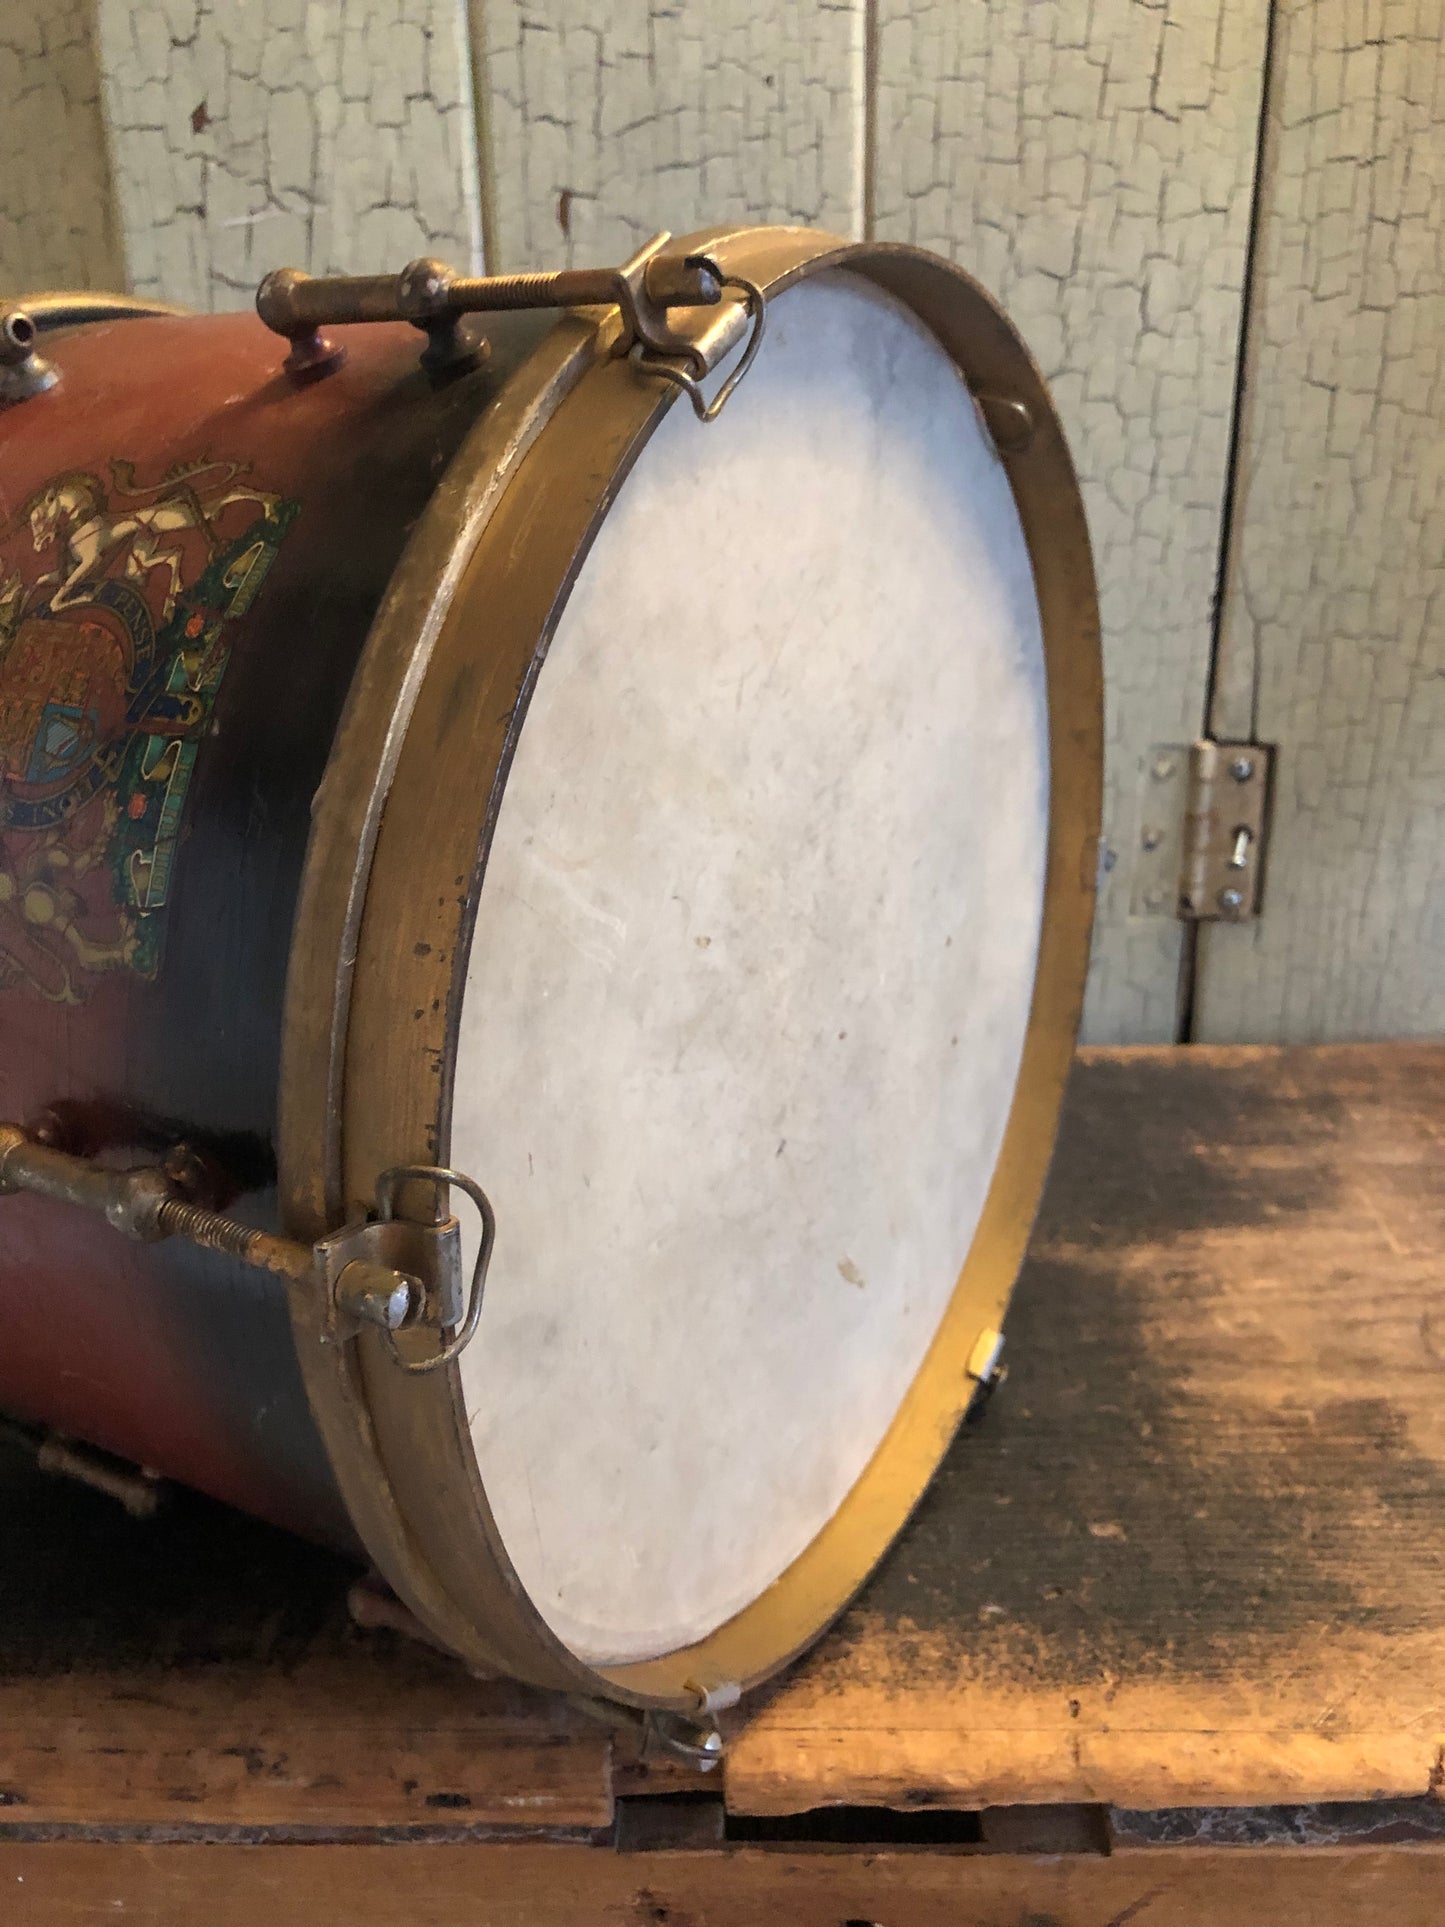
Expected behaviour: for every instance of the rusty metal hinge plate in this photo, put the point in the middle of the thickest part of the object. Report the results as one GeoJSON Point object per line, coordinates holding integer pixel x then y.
{"type": "Point", "coordinates": [1202, 830]}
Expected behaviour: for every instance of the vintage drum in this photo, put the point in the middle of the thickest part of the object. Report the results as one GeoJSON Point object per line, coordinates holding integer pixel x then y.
{"type": "Point", "coordinates": [517, 817]}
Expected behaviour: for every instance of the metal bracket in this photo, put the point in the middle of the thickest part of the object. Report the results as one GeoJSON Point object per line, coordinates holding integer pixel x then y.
{"type": "Point", "coordinates": [648, 291]}
{"type": "Point", "coordinates": [23, 370]}
{"type": "Point", "coordinates": [400, 1275]}
{"type": "Point", "coordinates": [1224, 832]}
{"type": "Point", "coordinates": [1203, 819]}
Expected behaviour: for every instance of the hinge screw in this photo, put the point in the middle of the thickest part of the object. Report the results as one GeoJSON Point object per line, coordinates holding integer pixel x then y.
{"type": "Point", "coordinates": [1163, 768]}
{"type": "Point", "coordinates": [1231, 900]}
{"type": "Point", "coordinates": [1242, 768]}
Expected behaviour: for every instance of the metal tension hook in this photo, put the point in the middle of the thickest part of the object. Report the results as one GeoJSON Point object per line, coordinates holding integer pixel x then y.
{"type": "Point", "coordinates": [387, 1271]}
{"type": "Point", "coordinates": [675, 320]}
{"type": "Point", "coordinates": [458, 1322]}
{"type": "Point", "coordinates": [754, 307]}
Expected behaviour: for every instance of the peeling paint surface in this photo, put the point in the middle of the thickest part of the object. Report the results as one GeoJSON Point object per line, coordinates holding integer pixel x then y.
{"type": "Point", "coordinates": [56, 218]}
{"type": "Point", "coordinates": [608, 121]}
{"type": "Point", "coordinates": [1334, 634]}
{"type": "Point", "coordinates": [254, 134]}
{"type": "Point", "coordinates": [1093, 167]}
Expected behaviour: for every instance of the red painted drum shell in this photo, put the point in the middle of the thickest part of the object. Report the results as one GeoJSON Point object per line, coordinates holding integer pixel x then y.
{"type": "Point", "coordinates": [192, 548]}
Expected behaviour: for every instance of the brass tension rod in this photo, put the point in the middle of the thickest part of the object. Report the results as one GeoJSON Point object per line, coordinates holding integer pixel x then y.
{"type": "Point", "coordinates": [434, 297]}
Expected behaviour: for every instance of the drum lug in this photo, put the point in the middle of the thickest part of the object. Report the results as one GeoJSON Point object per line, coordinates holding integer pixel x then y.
{"type": "Point", "coordinates": [23, 371]}
{"type": "Point", "coordinates": [396, 1274]}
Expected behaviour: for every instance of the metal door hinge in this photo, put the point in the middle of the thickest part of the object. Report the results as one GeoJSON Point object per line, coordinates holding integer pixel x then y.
{"type": "Point", "coordinates": [399, 1275]}
{"type": "Point", "coordinates": [1202, 831]}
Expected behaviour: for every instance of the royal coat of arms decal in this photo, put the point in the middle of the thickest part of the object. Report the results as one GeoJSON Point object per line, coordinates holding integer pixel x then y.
{"type": "Point", "coordinates": [116, 600]}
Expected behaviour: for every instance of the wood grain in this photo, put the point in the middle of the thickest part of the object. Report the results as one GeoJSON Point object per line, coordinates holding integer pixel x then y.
{"type": "Point", "coordinates": [1333, 640]}
{"type": "Point", "coordinates": [1194, 1555]}
{"type": "Point", "coordinates": [201, 1672]}
{"type": "Point", "coordinates": [523, 1886]}
{"type": "Point", "coordinates": [313, 1753]}
{"type": "Point", "coordinates": [1093, 167]}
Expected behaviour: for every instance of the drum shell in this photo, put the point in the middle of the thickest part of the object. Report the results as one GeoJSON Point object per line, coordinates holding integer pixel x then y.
{"type": "Point", "coordinates": [181, 1360]}
{"type": "Point", "coordinates": [184, 1361]}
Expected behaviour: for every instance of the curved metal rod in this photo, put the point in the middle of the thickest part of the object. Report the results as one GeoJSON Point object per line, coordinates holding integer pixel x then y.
{"type": "Point", "coordinates": [387, 1186]}
{"type": "Point", "coordinates": [70, 307]}
{"type": "Point", "coordinates": [705, 410]}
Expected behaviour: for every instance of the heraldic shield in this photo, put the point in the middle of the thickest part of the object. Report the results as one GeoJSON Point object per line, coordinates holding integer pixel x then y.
{"type": "Point", "coordinates": [115, 608]}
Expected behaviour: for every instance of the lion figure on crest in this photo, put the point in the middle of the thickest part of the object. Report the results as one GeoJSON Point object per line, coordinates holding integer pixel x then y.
{"type": "Point", "coordinates": [74, 512]}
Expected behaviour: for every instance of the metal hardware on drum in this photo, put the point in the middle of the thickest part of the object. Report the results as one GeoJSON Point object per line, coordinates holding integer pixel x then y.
{"type": "Point", "coordinates": [136, 1487]}
{"type": "Point", "coordinates": [23, 371]}
{"type": "Point", "coordinates": [433, 297]}
{"type": "Point", "coordinates": [988, 1371]}
{"type": "Point", "coordinates": [392, 1273]}
{"type": "Point", "coordinates": [1008, 421]}
{"type": "Point", "coordinates": [262, 900]}
{"type": "Point", "coordinates": [683, 378]}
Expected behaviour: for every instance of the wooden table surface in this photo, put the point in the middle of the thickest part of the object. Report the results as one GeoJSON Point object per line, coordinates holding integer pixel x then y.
{"type": "Point", "coordinates": [1192, 1556]}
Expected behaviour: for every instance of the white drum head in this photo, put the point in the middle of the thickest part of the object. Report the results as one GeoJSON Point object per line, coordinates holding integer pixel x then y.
{"type": "Point", "coordinates": [751, 975]}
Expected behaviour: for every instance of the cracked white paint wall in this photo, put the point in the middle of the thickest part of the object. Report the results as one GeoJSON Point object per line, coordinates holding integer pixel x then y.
{"type": "Point", "coordinates": [57, 227]}
{"type": "Point", "coordinates": [609, 119]}
{"type": "Point", "coordinates": [337, 136]}
{"type": "Point", "coordinates": [1334, 636]}
{"type": "Point", "coordinates": [1093, 167]}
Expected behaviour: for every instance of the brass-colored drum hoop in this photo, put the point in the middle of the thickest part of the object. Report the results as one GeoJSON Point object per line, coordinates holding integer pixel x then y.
{"type": "Point", "coordinates": [565, 434]}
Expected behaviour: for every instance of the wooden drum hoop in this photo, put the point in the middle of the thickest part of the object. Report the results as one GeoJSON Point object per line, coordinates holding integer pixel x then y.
{"type": "Point", "coordinates": [390, 893]}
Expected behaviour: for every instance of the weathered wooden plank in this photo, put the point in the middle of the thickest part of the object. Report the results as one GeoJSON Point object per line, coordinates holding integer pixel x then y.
{"type": "Point", "coordinates": [57, 217]}
{"type": "Point", "coordinates": [65, 1885]}
{"type": "Point", "coordinates": [336, 1744]}
{"type": "Point", "coordinates": [336, 139]}
{"type": "Point", "coordinates": [1333, 640]}
{"type": "Point", "coordinates": [1093, 166]}
{"type": "Point", "coordinates": [200, 1669]}
{"type": "Point", "coordinates": [604, 122]}
{"type": "Point", "coordinates": [1194, 1555]}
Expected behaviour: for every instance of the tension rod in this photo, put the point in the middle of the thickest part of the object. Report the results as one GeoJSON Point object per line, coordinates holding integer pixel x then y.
{"type": "Point", "coordinates": [388, 1271]}
{"type": "Point", "coordinates": [433, 297]}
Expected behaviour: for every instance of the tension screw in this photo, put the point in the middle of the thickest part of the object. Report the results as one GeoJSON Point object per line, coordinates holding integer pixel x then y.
{"type": "Point", "coordinates": [377, 1295]}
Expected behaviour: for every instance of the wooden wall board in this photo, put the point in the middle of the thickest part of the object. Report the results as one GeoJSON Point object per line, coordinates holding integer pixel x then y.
{"type": "Point", "coordinates": [69, 1885]}
{"type": "Point", "coordinates": [57, 215]}
{"type": "Point", "coordinates": [604, 122]}
{"type": "Point", "coordinates": [339, 139]}
{"type": "Point", "coordinates": [1195, 1553]}
{"type": "Point", "coordinates": [1093, 166]}
{"type": "Point", "coordinates": [1333, 638]}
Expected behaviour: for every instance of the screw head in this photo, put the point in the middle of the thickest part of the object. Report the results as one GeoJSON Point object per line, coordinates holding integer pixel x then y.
{"type": "Point", "coordinates": [1242, 768]}
{"type": "Point", "coordinates": [377, 1295]}
{"type": "Point", "coordinates": [1163, 768]}
{"type": "Point", "coordinates": [1231, 899]}
{"type": "Point", "coordinates": [1151, 839]}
